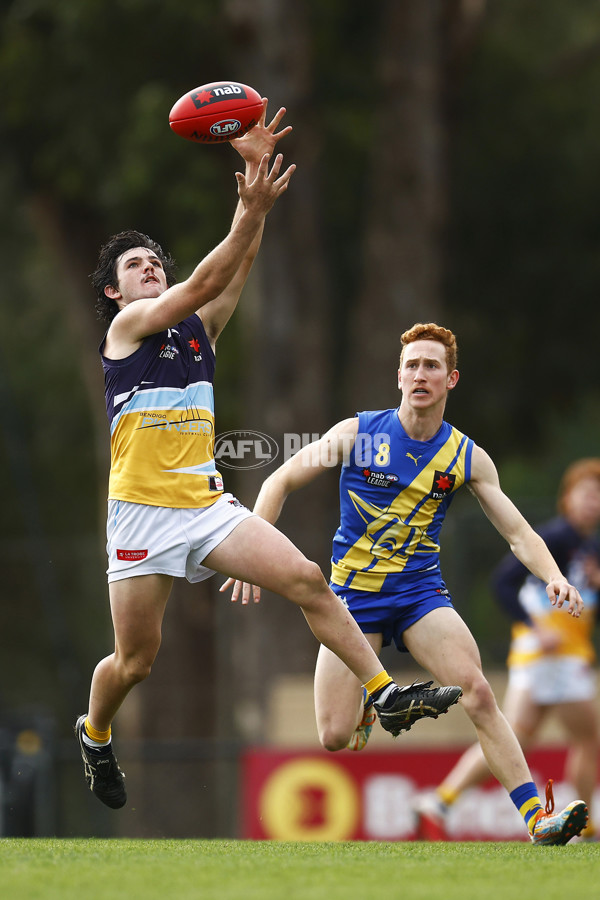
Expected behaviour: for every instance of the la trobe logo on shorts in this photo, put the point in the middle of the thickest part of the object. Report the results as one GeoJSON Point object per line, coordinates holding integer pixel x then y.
{"type": "Point", "coordinates": [132, 555]}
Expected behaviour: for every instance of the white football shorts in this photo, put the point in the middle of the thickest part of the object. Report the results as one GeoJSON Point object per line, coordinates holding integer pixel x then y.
{"type": "Point", "coordinates": [555, 679]}
{"type": "Point", "coordinates": [150, 540]}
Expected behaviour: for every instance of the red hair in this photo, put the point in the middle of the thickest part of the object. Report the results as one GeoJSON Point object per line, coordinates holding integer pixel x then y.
{"type": "Point", "coordinates": [576, 472]}
{"type": "Point", "coordinates": [432, 332]}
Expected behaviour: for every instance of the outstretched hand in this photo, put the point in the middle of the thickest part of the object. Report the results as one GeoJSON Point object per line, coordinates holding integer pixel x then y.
{"type": "Point", "coordinates": [260, 194]}
{"type": "Point", "coordinates": [261, 139]}
{"type": "Point", "coordinates": [245, 589]}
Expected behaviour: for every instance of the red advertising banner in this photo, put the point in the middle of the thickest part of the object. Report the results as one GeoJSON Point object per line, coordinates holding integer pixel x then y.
{"type": "Point", "coordinates": [369, 796]}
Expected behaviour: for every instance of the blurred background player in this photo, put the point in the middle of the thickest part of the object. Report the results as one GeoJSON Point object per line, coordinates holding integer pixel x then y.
{"type": "Point", "coordinates": [551, 655]}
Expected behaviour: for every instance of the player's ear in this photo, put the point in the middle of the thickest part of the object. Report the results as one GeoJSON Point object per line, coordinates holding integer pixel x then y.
{"type": "Point", "coordinates": [112, 293]}
{"type": "Point", "coordinates": [453, 379]}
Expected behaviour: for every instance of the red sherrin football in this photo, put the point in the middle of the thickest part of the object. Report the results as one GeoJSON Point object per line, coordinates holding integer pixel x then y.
{"type": "Point", "coordinates": [216, 112]}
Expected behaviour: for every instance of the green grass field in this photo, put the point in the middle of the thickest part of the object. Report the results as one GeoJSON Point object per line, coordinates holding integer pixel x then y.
{"type": "Point", "coordinates": [57, 869]}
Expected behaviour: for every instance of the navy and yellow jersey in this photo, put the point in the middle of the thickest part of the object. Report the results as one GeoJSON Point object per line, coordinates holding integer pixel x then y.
{"type": "Point", "coordinates": [394, 494]}
{"type": "Point", "coordinates": [524, 597]}
{"type": "Point", "coordinates": [160, 408]}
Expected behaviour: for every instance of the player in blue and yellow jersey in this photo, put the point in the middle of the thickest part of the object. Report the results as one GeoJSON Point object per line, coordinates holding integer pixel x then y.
{"type": "Point", "coordinates": [168, 514]}
{"type": "Point", "coordinates": [550, 662]}
{"type": "Point", "coordinates": [400, 471]}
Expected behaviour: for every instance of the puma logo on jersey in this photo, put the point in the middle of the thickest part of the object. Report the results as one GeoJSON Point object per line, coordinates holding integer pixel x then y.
{"type": "Point", "coordinates": [415, 459]}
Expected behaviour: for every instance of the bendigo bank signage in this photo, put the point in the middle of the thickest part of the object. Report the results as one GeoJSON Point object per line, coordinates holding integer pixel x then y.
{"type": "Point", "coordinates": [369, 795]}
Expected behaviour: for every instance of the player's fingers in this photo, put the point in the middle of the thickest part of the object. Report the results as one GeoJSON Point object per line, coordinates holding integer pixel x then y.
{"type": "Point", "coordinates": [283, 180]}
{"type": "Point", "coordinates": [256, 593]}
{"type": "Point", "coordinates": [246, 593]}
{"type": "Point", "coordinates": [275, 167]}
{"type": "Point", "coordinates": [283, 132]}
{"type": "Point", "coordinates": [277, 119]}
{"type": "Point", "coordinates": [576, 604]}
{"type": "Point", "coordinates": [551, 593]}
{"type": "Point", "coordinates": [263, 167]}
{"type": "Point", "coordinates": [263, 114]}
{"type": "Point", "coordinates": [226, 584]}
{"type": "Point", "coordinates": [235, 593]}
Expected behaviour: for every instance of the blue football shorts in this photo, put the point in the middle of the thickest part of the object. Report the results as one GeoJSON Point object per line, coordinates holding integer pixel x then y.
{"type": "Point", "coordinates": [390, 613]}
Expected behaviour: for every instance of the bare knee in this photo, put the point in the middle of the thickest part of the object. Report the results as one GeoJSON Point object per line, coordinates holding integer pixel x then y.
{"type": "Point", "coordinates": [136, 666]}
{"type": "Point", "coordinates": [334, 743]}
{"type": "Point", "coordinates": [332, 738]}
{"type": "Point", "coordinates": [308, 584]}
{"type": "Point", "coordinates": [478, 698]}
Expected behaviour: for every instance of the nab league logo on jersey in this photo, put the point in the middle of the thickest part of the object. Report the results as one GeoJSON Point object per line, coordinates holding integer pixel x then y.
{"type": "Point", "coordinates": [168, 351]}
{"type": "Point", "coordinates": [380, 479]}
{"type": "Point", "coordinates": [443, 482]}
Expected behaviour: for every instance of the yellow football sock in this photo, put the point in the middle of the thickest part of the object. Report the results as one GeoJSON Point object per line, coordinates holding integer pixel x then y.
{"type": "Point", "coordinates": [447, 795]}
{"type": "Point", "coordinates": [101, 737]}
{"type": "Point", "coordinates": [377, 682]}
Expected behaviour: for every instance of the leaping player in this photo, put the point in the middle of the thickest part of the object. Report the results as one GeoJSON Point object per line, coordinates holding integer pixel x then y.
{"type": "Point", "coordinates": [168, 515]}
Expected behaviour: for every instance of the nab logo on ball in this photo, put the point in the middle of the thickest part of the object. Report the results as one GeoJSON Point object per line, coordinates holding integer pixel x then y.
{"type": "Point", "coordinates": [225, 128]}
{"type": "Point", "coordinates": [202, 97]}
{"type": "Point", "coordinates": [216, 112]}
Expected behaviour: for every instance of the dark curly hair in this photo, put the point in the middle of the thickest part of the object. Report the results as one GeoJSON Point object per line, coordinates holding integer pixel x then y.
{"type": "Point", "coordinates": [105, 273]}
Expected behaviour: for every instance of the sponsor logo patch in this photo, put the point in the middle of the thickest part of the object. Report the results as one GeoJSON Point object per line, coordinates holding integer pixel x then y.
{"type": "Point", "coordinates": [380, 479]}
{"type": "Point", "coordinates": [443, 482]}
{"type": "Point", "coordinates": [132, 555]}
{"type": "Point", "coordinates": [215, 483]}
{"type": "Point", "coordinates": [168, 351]}
{"type": "Point", "coordinates": [196, 348]}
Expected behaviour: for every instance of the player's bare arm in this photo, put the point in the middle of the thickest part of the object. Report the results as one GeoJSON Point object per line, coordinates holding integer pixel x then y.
{"type": "Point", "coordinates": [524, 542]}
{"type": "Point", "coordinates": [306, 465]}
{"type": "Point", "coordinates": [302, 468]}
{"type": "Point", "coordinates": [252, 147]}
{"type": "Point", "coordinates": [167, 307]}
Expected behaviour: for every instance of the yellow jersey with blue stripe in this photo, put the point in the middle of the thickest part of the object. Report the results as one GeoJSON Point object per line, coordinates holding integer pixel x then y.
{"type": "Point", "coordinates": [160, 407]}
{"type": "Point", "coordinates": [394, 494]}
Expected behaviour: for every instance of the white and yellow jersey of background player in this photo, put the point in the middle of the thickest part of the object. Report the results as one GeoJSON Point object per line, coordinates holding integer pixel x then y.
{"type": "Point", "coordinates": [551, 655]}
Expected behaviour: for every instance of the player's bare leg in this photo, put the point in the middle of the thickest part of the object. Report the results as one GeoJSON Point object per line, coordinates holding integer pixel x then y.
{"type": "Point", "coordinates": [580, 722]}
{"type": "Point", "coordinates": [257, 553]}
{"type": "Point", "coordinates": [137, 607]}
{"type": "Point", "coordinates": [525, 719]}
{"type": "Point", "coordinates": [339, 701]}
{"type": "Point", "coordinates": [441, 642]}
